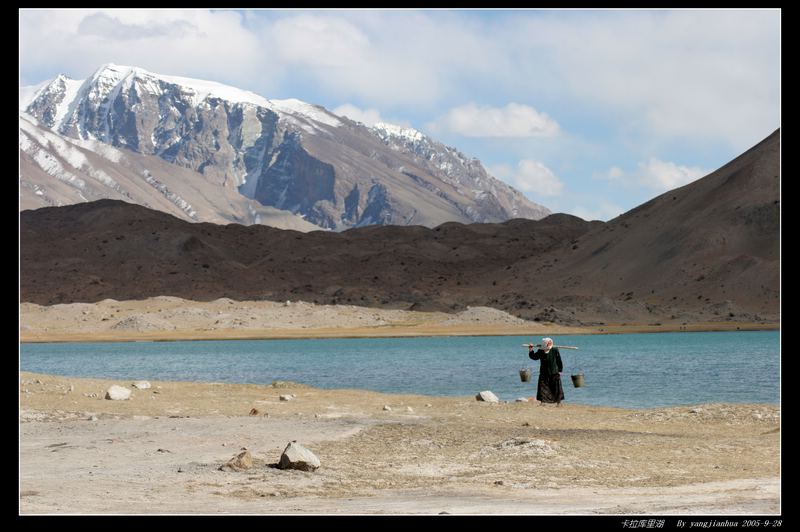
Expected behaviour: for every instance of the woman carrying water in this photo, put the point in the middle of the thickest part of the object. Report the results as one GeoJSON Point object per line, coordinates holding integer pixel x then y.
{"type": "Point", "coordinates": [549, 389]}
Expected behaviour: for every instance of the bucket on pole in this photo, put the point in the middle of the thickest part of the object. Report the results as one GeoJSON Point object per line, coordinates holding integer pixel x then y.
{"type": "Point", "coordinates": [525, 374]}
{"type": "Point", "coordinates": [577, 379]}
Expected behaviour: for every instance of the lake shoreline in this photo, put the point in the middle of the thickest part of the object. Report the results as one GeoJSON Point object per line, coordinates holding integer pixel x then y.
{"type": "Point", "coordinates": [391, 332]}
{"type": "Point", "coordinates": [167, 318]}
{"type": "Point", "coordinates": [384, 453]}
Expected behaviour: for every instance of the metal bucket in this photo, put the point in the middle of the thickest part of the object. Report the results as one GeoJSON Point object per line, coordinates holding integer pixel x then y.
{"type": "Point", "coordinates": [577, 380]}
{"type": "Point", "coordinates": [525, 374]}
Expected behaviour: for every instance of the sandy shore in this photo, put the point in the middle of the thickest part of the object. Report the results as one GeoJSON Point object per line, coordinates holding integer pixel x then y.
{"type": "Point", "coordinates": [160, 452]}
{"type": "Point", "coordinates": [171, 318]}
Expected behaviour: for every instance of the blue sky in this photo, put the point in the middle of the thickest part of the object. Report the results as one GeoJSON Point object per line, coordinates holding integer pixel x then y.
{"type": "Point", "coordinates": [590, 112]}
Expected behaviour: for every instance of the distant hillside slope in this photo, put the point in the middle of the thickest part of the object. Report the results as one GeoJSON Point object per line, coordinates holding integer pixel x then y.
{"type": "Point", "coordinates": [706, 251]}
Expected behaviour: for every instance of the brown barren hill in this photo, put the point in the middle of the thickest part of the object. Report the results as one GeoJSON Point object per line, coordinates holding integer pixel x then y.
{"type": "Point", "coordinates": [707, 251]}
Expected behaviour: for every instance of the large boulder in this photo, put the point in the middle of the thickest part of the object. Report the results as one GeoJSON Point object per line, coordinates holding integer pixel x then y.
{"type": "Point", "coordinates": [118, 393]}
{"type": "Point", "coordinates": [295, 456]}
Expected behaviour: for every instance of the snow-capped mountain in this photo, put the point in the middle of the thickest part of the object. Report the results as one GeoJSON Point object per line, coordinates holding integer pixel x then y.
{"type": "Point", "coordinates": [285, 154]}
{"type": "Point", "coordinates": [58, 170]}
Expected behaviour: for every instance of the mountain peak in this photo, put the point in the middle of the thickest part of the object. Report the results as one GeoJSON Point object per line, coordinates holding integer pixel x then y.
{"type": "Point", "coordinates": [394, 130]}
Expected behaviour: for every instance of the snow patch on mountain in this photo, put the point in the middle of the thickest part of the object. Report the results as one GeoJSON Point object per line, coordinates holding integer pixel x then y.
{"type": "Point", "coordinates": [314, 112]}
{"type": "Point", "coordinates": [29, 93]}
{"type": "Point", "coordinates": [407, 133]}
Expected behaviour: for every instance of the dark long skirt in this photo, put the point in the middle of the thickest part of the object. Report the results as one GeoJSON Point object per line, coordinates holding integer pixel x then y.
{"type": "Point", "coordinates": [550, 390]}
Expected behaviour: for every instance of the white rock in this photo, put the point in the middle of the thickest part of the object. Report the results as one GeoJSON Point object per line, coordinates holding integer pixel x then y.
{"type": "Point", "coordinates": [409, 409]}
{"type": "Point", "coordinates": [428, 405]}
{"type": "Point", "coordinates": [142, 385]}
{"type": "Point", "coordinates": [118, 393]}
{"type": "Point", "coordinates": [295, 456]}
{"type": "Point", "coordinates": [487, 396]}
{"type": "Point", "coordinates": [286, 397]}
{"type": "Point", "coordinates": [387, 408]}
{"type": "Point", "coordinates": [521, 400]}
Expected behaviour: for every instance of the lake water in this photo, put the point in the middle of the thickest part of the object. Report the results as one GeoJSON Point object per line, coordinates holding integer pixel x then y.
{"type": "Point", "coordinates": [630, 370]}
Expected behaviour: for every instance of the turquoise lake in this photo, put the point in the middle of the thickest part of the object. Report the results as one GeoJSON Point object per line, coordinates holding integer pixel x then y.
{"type": "Point", "coordinates": [630, 370]}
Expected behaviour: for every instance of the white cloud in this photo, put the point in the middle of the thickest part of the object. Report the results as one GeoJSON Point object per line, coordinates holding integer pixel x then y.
{"type": "Point", "coordinates": [529, 176]}
{"type": "Point", "coordinates": [664, 175]}
{"type": "Point", "coordinates": [699, 74]}
{"type": "Point", "coordinates": [367, 116]}
{"type": "Point", "coordinates": [615, 172]}
{"type": "Point", "coordinates": [192, 43]}
{"type": "Point", "coordinates": [513, 120]}
{"type": "Point", "coordinates": [656, 175]}
{"type": "Point", "coordinates": [654, 75]}
{"type": "Point", "coordinates": [314, 40]}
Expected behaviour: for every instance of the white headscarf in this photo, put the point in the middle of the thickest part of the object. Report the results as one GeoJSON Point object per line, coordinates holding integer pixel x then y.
{"type": "Point", "coordinates": [547, 343]}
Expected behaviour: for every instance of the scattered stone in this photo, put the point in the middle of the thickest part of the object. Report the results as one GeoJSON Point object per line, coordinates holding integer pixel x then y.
{"type": "Point", "coordinates": [521, 400]}
{"type": "Point", "coordinates": [255, 412]}
{"type": "Point", "coordinates": [156, 391]}
{"type": "Point", "coordinates": [487, 396]}
{"type": "Point", "coordinates": [164, 451]}
{"type": "Point", "coordinates": [92, 418]}
{"type": "Point", "coordinates": [499, 483]}
{"type": "Point", "coordinates": [118, 393]}
{"type": "Point", "coordinates": [295, 456]}
{"type": "Point", "coordinates": [409, 410]}
{"type": "Point", "coordinates": [526, 424]}
{"type": "Point", "coordinates": [428, 405]}
{"type": "Point", "coordinates": [525, 446]}
{"type": "Point", "coordinates": [240, 462]}
{"type": "Point", "coordinates": [142, 385]}
{"type": "Point", "coordinates": [286, 397]}
{"type": "Point", "coordinates": [387, 408]}
{"type": "Point", "coordinates": [71, 388]}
